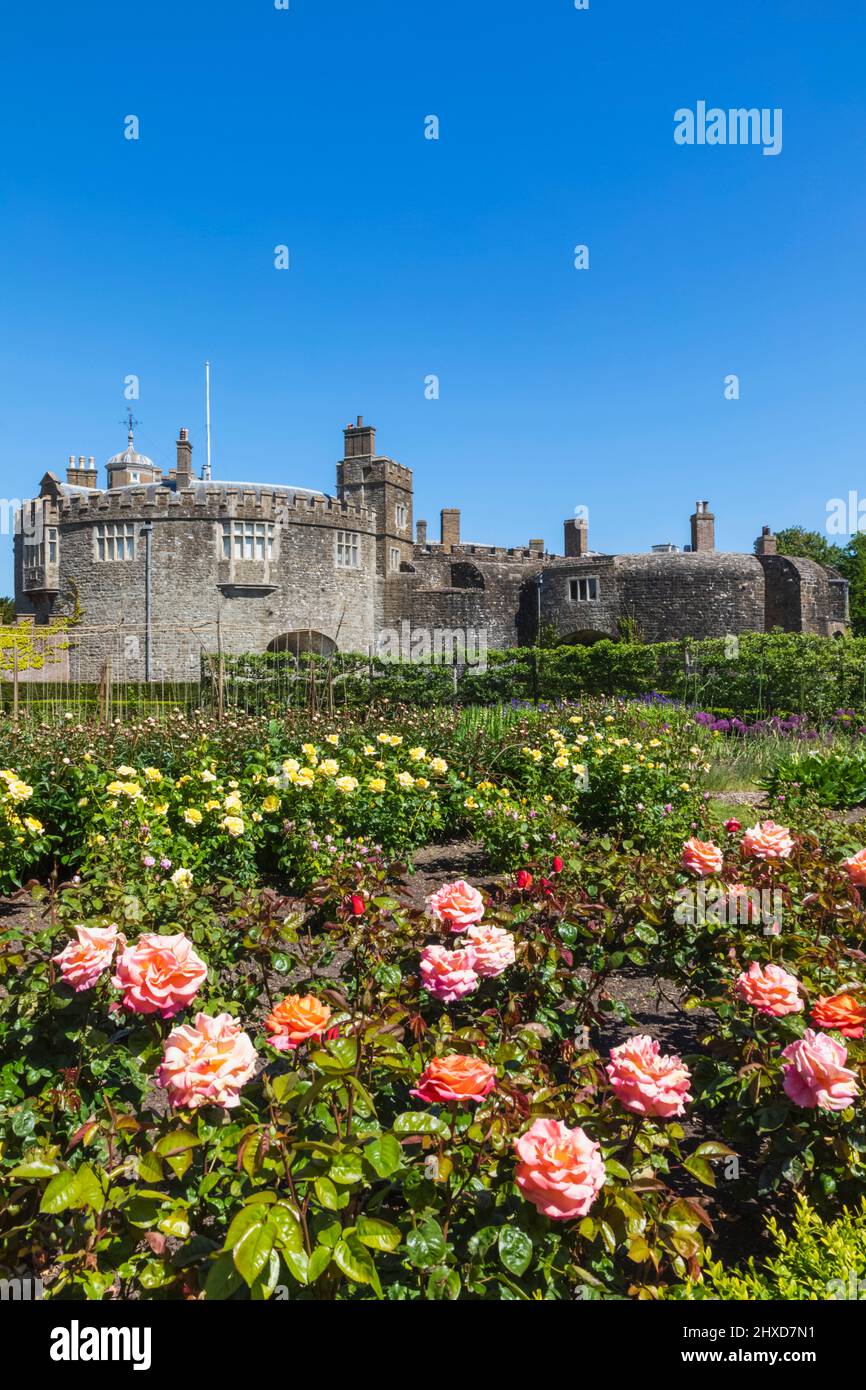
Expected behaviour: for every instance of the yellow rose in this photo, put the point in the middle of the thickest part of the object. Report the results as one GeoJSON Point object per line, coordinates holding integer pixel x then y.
{"type": "Point", "coordinates": [192, 816]}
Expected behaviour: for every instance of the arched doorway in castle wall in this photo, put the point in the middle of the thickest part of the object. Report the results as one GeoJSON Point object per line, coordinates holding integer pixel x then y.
{"type": "Point", "coordinates": [303, 640]}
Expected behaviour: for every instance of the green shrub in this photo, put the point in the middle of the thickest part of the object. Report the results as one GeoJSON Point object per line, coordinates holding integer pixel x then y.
{"type": "Point", "coordinates": [817, 1260]}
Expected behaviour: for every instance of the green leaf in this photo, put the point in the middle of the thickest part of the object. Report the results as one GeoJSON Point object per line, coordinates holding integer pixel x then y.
{"type": "Point", "coordinates": [319, 1261]}
{"type": "Point", "coordinates": [419, 1122]}
{"type": "Point", "coordinates": [222, 1280]}
{"type": "Point", "coordinates": [253, 1250]}
{"type": "Point", "coordinates": [356, 1262]}
{"type": "Point", "coordinates": [515, 1249]}
{"type": "Point", "coordinates": [328, 1194]}
{"type": "Point", "coordinates": [700, 1169]}
{"type": "Point", "coordinates": [34, 1168]}
{"type": "Point", "coordinates": [150, 1167]}
{"type": "Point", "coordinates": [379, 1235]}
{"type": "Point", "coordinates": [60, 1194]}
{"type": "Point", "coordinates": [346, 1167]}
{"type": "Point", "coordinates": [287, 1228]}
{"type": "Point", "coordinates": [443, 1283]}
{"type": "Point", "coordinates": [247, 1217]}
{"type": "Point", "coordinates": [426, 1245]}
{"type": "Point", "coordinates": [384, 1155]}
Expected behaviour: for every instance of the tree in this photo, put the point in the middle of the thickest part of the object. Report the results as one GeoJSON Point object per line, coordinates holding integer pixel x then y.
{"type": "Point", "coordinates": [7, 611]}
{"type": "Point", "coordinates": [852, 566]}
{"type": "Point", "coordinates": [849, 560]}
{"type": "Point", "coordinates": [811, 545]}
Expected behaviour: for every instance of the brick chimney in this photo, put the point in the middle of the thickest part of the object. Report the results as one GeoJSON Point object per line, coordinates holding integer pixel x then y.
{"type": "Point", "coordinates": [766, 542]}
{"type": "Point", "coordinates": [359, 440]}
{"type": "Point", "coordinates": [183, 472]}
{"type": "Point", "coordinates": [449, 526]}
{"type": "Point", "coordinates": [420, 532]}
{"type": "Point", "coordinates": [84, 475]}
{"type": "Point", "coordinates": [576, 531]}
{"type": "Point", "coordinates": [703, 525]}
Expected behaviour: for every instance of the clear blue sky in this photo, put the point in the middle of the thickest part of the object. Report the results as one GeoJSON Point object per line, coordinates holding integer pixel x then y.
{"type": "Point", "coordinates": [412, 257]}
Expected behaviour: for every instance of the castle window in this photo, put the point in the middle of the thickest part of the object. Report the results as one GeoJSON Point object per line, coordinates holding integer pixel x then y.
{"type": "Point", "coordinates": [401, 514]}
{"type": "Point", "coordinates": [34, 551]}
{"type": "Point", "coordinates": [247, 540]}
{"type": "Point", "coordinates": [394, 557]}
{"type": "Point", "coordinates": [583, 590]}
{"type": "Point", "coordinates": [115, 540]}
{"type": "Point", "coordinates": [348, 551]}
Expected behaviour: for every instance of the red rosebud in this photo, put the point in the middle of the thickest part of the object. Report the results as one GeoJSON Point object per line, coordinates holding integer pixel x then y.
{"type": "Point", "coordinates": [524, 879]}
{"type": "Point", "coordinates": [732, 826]}
{"type": "Point", "coordinates": [558, 865]}
{"type": "Point", "coordinates": [358, 905]}
{"type": "Point", "coordinates": [546, 884]}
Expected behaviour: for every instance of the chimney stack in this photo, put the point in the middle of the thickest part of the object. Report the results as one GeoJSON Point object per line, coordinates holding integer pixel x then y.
{"type": "Point", "coordinates": [183, 472]}
{"type": "Point", "coordinates": [766, 542]}
{"type": "Point", "coordinates": [449, 526]}
{"type": "Point", "coordinates": [359, 440]}
{"type": "Point", "coordinates": [420, 532]}
{"type": "Point", "coordinates": [703, 524]}
{"type": "Point", "coordinates": [576, 531]}
{"type": "Point", "coordinates": [84, 475]}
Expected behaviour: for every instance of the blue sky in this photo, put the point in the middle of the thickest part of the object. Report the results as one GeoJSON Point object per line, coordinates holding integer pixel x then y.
{"type": "Point", "coordinates": [454, 257]}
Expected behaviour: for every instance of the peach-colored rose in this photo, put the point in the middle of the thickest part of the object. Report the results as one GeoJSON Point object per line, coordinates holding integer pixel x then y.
{"type": "Point", "coordinates": [455, 1078]}
{"type": "Point", "coordinates": [646, 1081]}
{"type": "Point", "coordinates": [448, 975]}
{"type": "Point", "coordinates": [843, 1011]}
{"type": "Point", "coordinates": [159, 974]}
{"type": "Point", "coordinates": [767, 841]}
{"type": "Point", "coordinates": [494, 950]}
{"type": "Point", "coordinates": [83, 961]}
{"type": "Point", "coordinates": [702, 857]}
{"type": "Point", "coordinates": [855, 868]}
{"type": "Point", "coordinates": [561, 1171]}
{"type": "Point", "coordinates": [207, 1063]}
{"type": "Point", "coordinates": [295, 1020]}
{"type": "Point", "coordinates": [769, 989]}
{"type": "Point", "coordinates": [816, 1077]}
{"type": "Point", "coordinates": [458, 905]}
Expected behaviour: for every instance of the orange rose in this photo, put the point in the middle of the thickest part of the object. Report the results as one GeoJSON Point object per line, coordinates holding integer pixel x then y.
{"type": "Point", "coordinates": [842, 1012]}
{"type": "Point", "coordinates": [455, 1078]}
{"type": "Point", "coordinates": [855, 868]}
{"type": "Point", "coordinates": [296, 1019]}
{"type": "Point", "coordinates": [701, 857]}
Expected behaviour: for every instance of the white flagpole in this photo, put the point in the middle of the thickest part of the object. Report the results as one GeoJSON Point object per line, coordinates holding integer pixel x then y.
{"type": "Point", "coordinates": [207, 418]}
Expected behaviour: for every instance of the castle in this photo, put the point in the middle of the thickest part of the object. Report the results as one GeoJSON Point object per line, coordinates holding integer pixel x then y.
{"type": "Point", "coordinates": [160, 568]}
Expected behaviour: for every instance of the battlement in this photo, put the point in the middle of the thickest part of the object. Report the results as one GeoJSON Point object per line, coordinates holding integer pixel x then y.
{"type": "Point", "coordinates": [216, 503]}
{"type": "Point", "coordinates": [519, 554]}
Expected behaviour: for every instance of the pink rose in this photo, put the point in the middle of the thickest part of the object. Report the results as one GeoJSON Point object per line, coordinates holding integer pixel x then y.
{"type": "Point", "coordinates": [457, 904]}
{"type": "Point", "coordinates": [159, 974]}
{"type": "Point", "coordinates": [702, 857]}
{"type": "Point", "coordinates": [493, 948]}
{"type": "Point", "coordinates": [817, 1076]}
{"type": "Point", "coordinates": [560, 1170]}
{"type": "Point", "coordinates": [855, 868]}
{"type": "Point", "coordinates": [207, 1063]}
{"type": "Point", "coordinates": [767, 841]}
{"type": "Point", "coordinates": [83, 961]}
{"type": "Point", "coordinates": [448, 975]}
{"type": "Point", "coordinates": [769, 989]}
{"type": "Point", "coordinates": [646, 1081]}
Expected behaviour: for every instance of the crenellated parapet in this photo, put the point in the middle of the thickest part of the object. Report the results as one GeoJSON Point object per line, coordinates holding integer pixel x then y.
{"type": "Point", "coordinates": [215, 502]}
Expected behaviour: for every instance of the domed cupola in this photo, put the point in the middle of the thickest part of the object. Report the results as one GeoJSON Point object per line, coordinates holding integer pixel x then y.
{"type": "Point", "coordinates": [131, 467]}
